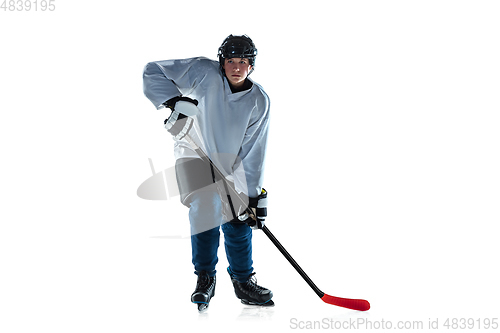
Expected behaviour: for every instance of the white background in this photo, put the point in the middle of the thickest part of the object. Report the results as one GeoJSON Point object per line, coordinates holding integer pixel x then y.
{"type": "Point", "coordinates": [382, 164]}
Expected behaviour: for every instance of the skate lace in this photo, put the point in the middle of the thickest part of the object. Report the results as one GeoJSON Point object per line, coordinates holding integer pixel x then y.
{"type": "Point", "coordinates": [252, 284]}
{"type": "Point", "coordinates": [203, 281]}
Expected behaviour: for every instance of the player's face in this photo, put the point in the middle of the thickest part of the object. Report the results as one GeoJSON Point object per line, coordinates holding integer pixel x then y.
{"type": "Point", "coordinates": [237, 70]}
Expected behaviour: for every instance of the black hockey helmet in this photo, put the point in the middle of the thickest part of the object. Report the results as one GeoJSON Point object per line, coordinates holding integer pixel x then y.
{"type": "Point", "coordinates": [237, 47]}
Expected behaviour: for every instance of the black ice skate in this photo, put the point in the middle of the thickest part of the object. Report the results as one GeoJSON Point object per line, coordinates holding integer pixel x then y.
{"type": "Point", "coordinates": [250, 293]}
{"type": "Point", "coordinates": [205, 290]}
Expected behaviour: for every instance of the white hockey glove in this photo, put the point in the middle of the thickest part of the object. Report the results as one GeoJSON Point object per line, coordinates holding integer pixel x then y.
{"type": "Point", "coordinates": [258, 206]}
{"type": "Point", "coordinates": [180, 120]}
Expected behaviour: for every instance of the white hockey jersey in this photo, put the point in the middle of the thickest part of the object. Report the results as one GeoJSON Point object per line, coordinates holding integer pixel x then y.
{"type": "Point", "coordinates": [232, 128]}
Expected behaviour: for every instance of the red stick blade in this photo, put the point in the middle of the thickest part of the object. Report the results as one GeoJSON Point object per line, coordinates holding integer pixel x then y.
{"type": "Point", "coordinates": [353, 304]}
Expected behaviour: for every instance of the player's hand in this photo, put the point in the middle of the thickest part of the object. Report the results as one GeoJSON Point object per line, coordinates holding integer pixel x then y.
{"type": "Point", "coordinates": [180, 120]}
{"type": "Point", "coordinates": [171, 103]}
{"type": "Point", "coordinates": [258, 207]}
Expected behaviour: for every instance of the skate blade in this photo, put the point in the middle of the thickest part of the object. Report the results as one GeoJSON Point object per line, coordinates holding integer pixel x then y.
{"type": "Point", "coordinates": [202, 307]}
{"type": "Point", "coordinates": [269, 303]}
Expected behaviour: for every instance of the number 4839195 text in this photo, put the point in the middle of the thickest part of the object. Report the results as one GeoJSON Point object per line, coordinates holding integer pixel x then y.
{"type": "Point", "coordinates": [28, 5]}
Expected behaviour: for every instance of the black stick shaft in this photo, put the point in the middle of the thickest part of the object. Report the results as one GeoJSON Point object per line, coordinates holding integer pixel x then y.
{"type": "Point", "coordinates": [292, 261]}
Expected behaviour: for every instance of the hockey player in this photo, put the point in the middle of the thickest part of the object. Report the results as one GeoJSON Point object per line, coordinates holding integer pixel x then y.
{"type": "Point", "coordinates": [230, 124]}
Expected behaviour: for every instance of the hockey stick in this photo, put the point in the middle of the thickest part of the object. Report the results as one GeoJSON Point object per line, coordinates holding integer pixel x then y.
{"type": "Point", "coordinates": [354, 304]}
